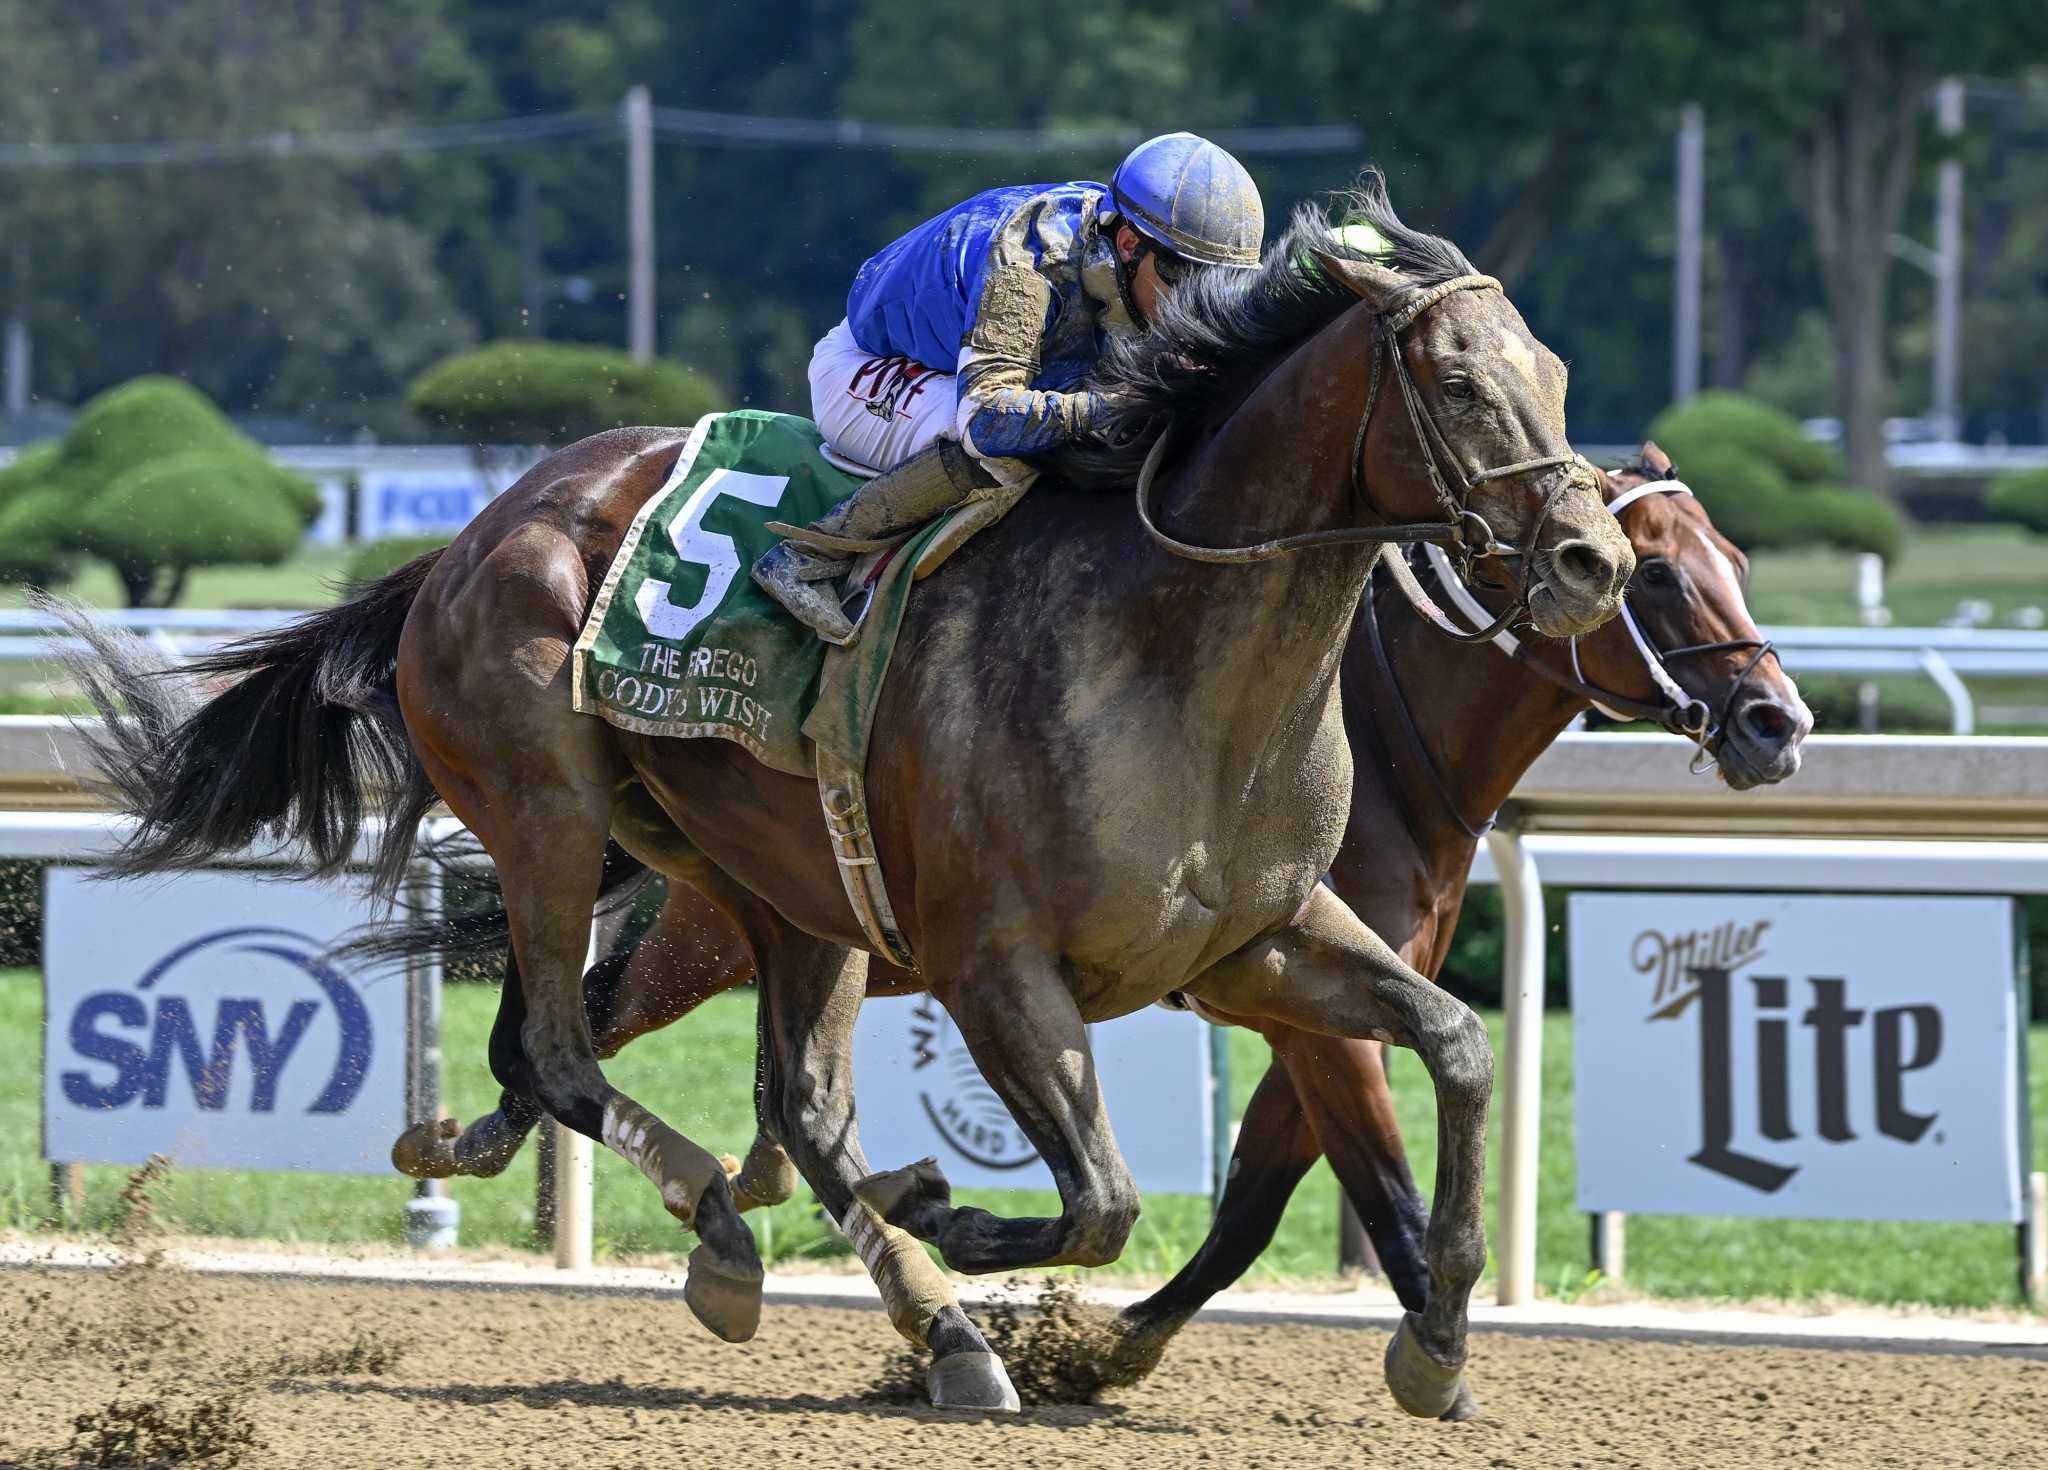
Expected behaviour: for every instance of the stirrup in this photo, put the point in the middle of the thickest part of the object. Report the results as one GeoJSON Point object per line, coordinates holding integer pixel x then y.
{"type": "Point", "coordinates": [854, 608]}
{"type": "Point", "coordinates": [815, 603]}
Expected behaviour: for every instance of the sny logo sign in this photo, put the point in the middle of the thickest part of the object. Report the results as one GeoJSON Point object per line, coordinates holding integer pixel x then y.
{"type": "Point", "coordinates": [167, 1033]}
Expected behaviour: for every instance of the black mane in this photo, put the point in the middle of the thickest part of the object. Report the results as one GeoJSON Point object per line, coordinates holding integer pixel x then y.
{"type": "Point", "coordinates": [1221, 330]}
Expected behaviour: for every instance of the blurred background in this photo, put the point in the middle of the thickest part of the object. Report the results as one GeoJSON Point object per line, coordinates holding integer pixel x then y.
{"type": "Point", "coordinates": [290, 288]}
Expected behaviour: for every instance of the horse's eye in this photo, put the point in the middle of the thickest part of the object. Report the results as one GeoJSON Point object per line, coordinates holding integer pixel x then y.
{"type": "Point", "coordinates": [1655, 572]}
{"type": "Point", "coordinates": [1460, 388]}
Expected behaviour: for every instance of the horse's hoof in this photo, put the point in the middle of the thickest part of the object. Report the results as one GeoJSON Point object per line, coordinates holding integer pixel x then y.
{"type": "Point", "coordinates": [1463, 1408]}
{"type": "Point", "coordinates": [976, 1381]}
{"type": "Point", "coordinates": [426, 1150]}
{"type": "Point", "coordinates": [1421, 1385]}
{"type": "Point", "coordinates": [1136, 1352]}
{"type": "Point", "coordinates": [893, 1193]}
{"type": "Point", "coordinates": [727, 1302]}
{"type": "Point", "coordinates": [766, 1178]}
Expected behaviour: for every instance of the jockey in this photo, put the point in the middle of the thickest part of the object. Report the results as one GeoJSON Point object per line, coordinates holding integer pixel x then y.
{"type": "Point", "coordinates": [966, 343]}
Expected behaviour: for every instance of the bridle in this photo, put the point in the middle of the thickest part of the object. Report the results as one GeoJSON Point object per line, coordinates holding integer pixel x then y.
{"type": "Point", "coordinates": [1680, 713]}
{"type": "Point", "coordinates": [1462, 529]}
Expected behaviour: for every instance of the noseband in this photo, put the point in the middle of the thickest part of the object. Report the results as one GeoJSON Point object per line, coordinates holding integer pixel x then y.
{"type": "Point", "coordinates": [1462, 529]}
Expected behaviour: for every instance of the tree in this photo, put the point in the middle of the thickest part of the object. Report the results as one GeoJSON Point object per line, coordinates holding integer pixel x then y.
{"type": "Point", "coordinates": [283, 284]}
{"type": "Point", "coordinates": [552, 392]}
{"type": "Point", "coordinates": [1848, 83]}
{"type": "Point", "coordinates": [32, 520]}
{"type": "Point", "coordinates": [154, 481]}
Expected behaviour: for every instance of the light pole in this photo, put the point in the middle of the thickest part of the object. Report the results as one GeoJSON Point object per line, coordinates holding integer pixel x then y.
{"type": "Point", "coordinates": [1944, 263]}
{"type": "Point", "coordinates": [1685, 306]}
{"type": "Point", "coordinates": [638, 117]}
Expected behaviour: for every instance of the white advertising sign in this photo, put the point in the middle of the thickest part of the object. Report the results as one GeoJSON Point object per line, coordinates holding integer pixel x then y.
{"type": "Point", "coordinates": [919, 1093]}
{"type": "Point", "coordinates": [419, 502]}
{"type": "Point", "coordinates": [1787, 1056]}
{"type": "Point", "coordinates": [194, 1017]}
{"type": "Point", "coordinates": [330, 527]}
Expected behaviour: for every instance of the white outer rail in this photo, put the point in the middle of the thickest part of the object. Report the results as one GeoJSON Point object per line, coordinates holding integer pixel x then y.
{"type": "Point", "coordinates": [1922, 814]}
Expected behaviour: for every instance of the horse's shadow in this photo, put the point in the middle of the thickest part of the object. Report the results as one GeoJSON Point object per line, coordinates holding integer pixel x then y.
{"type": "Point", "coordinates": [617, 1393]}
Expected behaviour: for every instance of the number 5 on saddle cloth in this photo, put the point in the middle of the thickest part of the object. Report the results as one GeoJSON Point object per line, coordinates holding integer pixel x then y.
{"type": "Point", "coordinates": [680, 641]}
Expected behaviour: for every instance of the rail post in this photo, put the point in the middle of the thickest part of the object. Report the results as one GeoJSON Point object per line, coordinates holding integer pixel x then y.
{"type": "Point", "coordinates": [2036, 1242]}
{"type": "Point", "coordinates": [1521, 1071]}
{"type": "Point", "coordinates": [432, 1219]}
{"type": "Point", "coordinates": [67, 1193]}
{"type": "Point", "coordinates": [572, 1166]}
{"type": "Point", "coordinates": [1610, 1244]}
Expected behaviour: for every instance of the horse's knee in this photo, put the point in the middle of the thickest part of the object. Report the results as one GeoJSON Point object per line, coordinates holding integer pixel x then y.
{"type": "Point", "coordinates": [1100, 1226]}
{"type": "Point", "coordinates": [1461, 1060]}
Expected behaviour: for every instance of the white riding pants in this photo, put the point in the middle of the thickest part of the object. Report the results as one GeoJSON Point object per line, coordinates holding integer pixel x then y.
{"type": "Point", "coordinates": [877, 411]}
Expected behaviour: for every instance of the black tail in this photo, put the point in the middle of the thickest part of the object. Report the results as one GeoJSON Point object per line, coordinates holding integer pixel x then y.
{"type": "Point", "coordinates": [469, 926]}
{"type": "Point", "coordinates": [303, 745]}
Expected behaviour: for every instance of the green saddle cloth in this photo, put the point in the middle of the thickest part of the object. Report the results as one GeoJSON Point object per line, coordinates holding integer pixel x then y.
{"type": "Point", "coordinates": [681, 642]}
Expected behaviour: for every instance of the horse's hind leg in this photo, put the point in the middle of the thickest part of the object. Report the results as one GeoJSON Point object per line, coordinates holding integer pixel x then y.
{"type": "Point", "coordinates": [810, 994]}
{"type": "Point", "coordinates": [1328, 972]}
{"type": "Point", "coordinates": [441, 1148]}
{"type": "Point", "coordinates": [1275, 1149]}
{"type": "Point", "coordinates": [544, 816]}
{"type": "Point", "coordinates": [689, 955]}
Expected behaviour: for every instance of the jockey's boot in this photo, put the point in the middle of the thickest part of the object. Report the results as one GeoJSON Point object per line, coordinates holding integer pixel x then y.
{"type": "Point", "coordinates": [802, 572]}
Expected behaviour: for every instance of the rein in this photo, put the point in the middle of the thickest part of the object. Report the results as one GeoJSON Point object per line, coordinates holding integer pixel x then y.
{"type": "Point", "coordinates": [1462, 527]}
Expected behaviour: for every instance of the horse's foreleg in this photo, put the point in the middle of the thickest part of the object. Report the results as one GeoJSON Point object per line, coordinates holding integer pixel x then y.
{"type": "Point", "coordinates": [1342, 1085]}
{"type": "Point", "coordinates": [1327, 972]}
{"type": "Point", "coordinates": [1343, 1091]}
{"type": "Point", "coordinates": [1026, 1035]}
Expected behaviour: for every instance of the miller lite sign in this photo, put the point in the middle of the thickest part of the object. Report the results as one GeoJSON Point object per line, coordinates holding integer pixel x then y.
{"type": "Point", "coordinates": [1789, 1056]}
{"type": "Point", "coordinates": [197, 1017]}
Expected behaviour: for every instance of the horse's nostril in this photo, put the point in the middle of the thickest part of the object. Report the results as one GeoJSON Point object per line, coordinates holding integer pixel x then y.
{"type": "Point", "coordinates": [1767, 723]}
{"type": "Point", "coordinates": [1586, 565]}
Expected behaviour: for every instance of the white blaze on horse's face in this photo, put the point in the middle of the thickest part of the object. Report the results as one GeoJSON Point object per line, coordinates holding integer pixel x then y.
{"type": "Point", "coordinates": [1726, 568]}
{"type": "Point", "coordinates": [1520, 355]}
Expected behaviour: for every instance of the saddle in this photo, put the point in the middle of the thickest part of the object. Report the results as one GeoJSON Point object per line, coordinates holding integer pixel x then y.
{"type": "Point", "coordinates": [680, 642]}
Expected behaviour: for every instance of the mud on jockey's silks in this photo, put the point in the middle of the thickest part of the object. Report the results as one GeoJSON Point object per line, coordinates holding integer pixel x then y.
{"type": "Point", "coordinates": [681, 642]}
{"type": "Point", "coordinates": [1013, 290]}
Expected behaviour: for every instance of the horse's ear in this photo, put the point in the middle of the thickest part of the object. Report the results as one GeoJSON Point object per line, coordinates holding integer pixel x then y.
{"type": "Point", "coordinates": [1374, 283]}
{"type": "Point", "coordinates": [1655, 460]}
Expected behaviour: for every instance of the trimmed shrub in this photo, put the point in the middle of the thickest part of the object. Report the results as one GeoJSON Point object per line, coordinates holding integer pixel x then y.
{"type": "Point", "coordinates": [1737, 489]}
{"type": "Point", "coordinates": [33, 520]}
{"type": "Point", "coordinates": [142, 421]}
{"type": "Point", "coordinates": [2020, 496]}
{"type": "Point", "coordinates": [555, 392]}
{"type": "Point", "coordinates": [1719, 416]}
{"type": "Point", "coordinates": [1835, 515]}
{"type": "Point", "coordinates": [1765, 483]}
{"type": "Point", "coordinates": [194, 509]}
{"type": "Point", "coordinates": [376, 559]}
{"type": "Point", "coordinates": [154, 480]}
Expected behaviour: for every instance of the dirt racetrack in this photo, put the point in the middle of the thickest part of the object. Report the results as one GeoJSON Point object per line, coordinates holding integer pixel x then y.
{"type": "Point", "coordinates": [265, 1373]}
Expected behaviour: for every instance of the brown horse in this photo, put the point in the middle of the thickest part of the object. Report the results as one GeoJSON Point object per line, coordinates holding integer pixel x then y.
{"type": "Point", "coordinates": [1410, 700]}
{"type": "Point", "coordinates": [1158, 741]}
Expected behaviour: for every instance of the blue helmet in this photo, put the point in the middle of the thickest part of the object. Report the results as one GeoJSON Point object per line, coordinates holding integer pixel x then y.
{"type": "Point", "coordinates": [1188, 195]}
